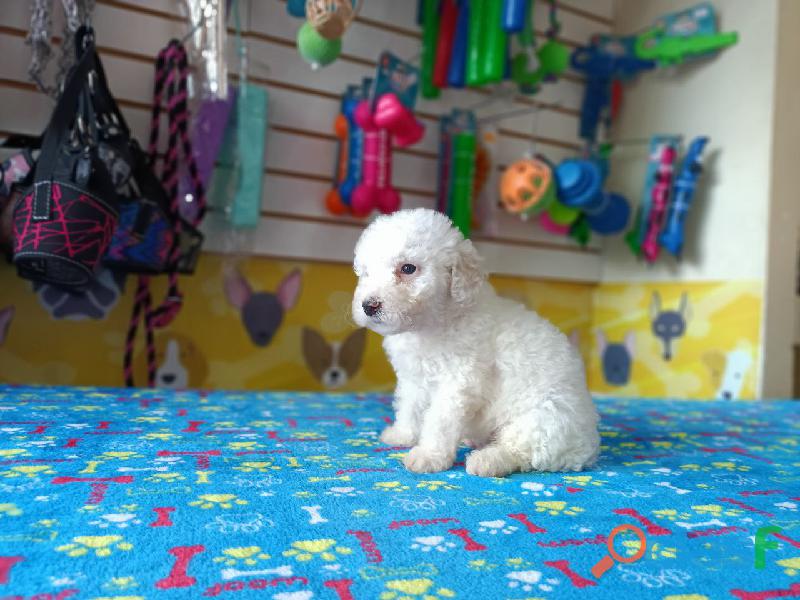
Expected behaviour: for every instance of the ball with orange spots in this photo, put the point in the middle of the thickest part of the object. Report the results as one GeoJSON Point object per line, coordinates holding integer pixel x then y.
{"type": "Point", "coordinates": [527, 187]}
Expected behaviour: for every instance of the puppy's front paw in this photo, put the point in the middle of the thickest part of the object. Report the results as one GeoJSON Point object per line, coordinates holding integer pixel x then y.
{"type": "Point", "coordinates": [398, 436]}
{"type": "Point", "coordinates": [422, 460]}
{"type": "Point", "coordinates": [490, 462]}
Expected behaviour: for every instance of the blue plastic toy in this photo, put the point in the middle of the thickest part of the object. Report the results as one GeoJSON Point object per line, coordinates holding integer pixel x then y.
{"type": "Point", "coordinates": [296, 8]}
{"type": "Point", "coordinates": [514, 12]}
{"type": "Point", "coordinates": [456, 73]}
{"type": "Point", "coordinates": [354, 148]}
{"type": "Point", "coordinates": [605, 60]}
{"type": "Point", "coordinates": [671, 239]}
{"type": "Point", "coordinates": [580, 186]}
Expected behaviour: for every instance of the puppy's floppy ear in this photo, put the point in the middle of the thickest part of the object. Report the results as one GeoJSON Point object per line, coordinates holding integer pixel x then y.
{"type": "Point", "coordinates": [466, 275]}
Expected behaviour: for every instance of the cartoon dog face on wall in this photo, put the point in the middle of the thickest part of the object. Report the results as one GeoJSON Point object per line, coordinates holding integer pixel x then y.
{"type": "Point", "coordinates": [669, 325]}
{"type": "Point", "coordinates": [336, 363]}
{"type": "Point", "coordinates": [180, 363]}
{"type": "Point", "coordinates": [728, 372]}
{"type": "Point", "coordinates": [262, 312]}
{"type": "Point", "coordinates": [616, 358]}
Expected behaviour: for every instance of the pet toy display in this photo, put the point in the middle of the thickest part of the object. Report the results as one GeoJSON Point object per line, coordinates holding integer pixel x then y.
{"type": "Point", "coordinates": [568, 199]}
{"type": "Point", "coordinates": [238, 178]}
{"type": "Point", "coordinates": [636, 235]}
{"type": "Point", "coordinates": [531, 67]}
{"type": "Point", "coordinates": [661, 218]}
{"type": "Point", "coordinates": [319, 39]}
{"type": "Point", "coordinates": [372, 119]}
{"type": "Point", "coordinates": [350, 143]}
{"type": "Point", "coordinates": [457, 158]}
{"type": "Point", "coordinates": [671, 239]}
{"type": "Point", "coordinates": [658, 206]}
{"type": "Point", "coordinates": [468, 42]}
{"type": "Point", "coordinates": [527, 187]}
{"type": "Point", "coordinates": [608, 61]}
{"type": "Point", "coordinates": [580, 184]}
{"type": "Point", "coordinates": [689, 33]}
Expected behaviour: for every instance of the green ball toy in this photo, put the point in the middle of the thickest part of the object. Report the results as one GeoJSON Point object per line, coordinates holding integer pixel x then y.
{"type": "Point", "coordinates": [315, 49]}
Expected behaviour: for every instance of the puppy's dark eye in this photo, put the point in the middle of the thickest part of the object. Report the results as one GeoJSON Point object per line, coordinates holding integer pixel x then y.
{"type": "Point", "coordinates": [408, 269]}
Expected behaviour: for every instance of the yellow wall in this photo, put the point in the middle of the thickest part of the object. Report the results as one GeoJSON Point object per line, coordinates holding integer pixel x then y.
{"type": "Point", "coordinates": [215, 348]}
{"type": "Point", "coordinates": [722, 332]}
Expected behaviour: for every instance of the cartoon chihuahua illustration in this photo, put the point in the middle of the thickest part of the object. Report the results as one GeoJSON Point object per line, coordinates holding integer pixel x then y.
{"type": "Point", "coordinates": [616, 358]}
{"type": "Point", "coordinates": [336, 363]}
{"type": "Point", "coordinates": [669, 325]}
{"type": "Point", "coordinates": [180, 363]}
{"type": "Point", "coordinates": [728, 371]}
{"type": "Point", "coordinates": [262, 312]}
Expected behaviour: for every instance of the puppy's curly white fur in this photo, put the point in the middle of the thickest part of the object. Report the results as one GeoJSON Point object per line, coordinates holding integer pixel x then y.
{"type": "Point", "coordinates": [471, 367]}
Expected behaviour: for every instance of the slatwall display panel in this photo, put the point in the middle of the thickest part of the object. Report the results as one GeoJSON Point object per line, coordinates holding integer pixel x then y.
{"type": "Point", "coordinates": [302, 107]}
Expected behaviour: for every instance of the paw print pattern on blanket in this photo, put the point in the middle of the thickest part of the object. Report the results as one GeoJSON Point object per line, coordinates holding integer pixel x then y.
{"type": "Point", "coordinates": [165, 495]}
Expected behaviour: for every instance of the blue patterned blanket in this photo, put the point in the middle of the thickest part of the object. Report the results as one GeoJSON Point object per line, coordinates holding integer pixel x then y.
{"type": "Point", "coordinates": [150, 494]}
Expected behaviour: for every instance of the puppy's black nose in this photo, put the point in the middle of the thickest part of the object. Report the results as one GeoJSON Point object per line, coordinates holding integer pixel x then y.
{"type": "Point", "coordinates": [168, 378]}
{"type": "Point", "coordinates": [371, 306]}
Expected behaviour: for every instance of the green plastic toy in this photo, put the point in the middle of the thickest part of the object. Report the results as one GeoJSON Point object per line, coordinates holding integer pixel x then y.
{"type": "Point", "coordinates": [315, 49]}
{"type": "Point", "coordinates": [551, 60]}
{"type": "Point", "coordinates": [478, 11]}
{"type": "Point", "coordinates": [672, 50]}
{"type": "Point", "coordinates": [430, 33]}
{"type": "Point", "coordinates": [494, 43]}
{"type": "Point", "coordinates": [464, 147]}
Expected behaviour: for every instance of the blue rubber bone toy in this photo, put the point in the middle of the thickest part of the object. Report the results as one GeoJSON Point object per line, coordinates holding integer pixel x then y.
{"type": "Point", "coordinates": [671, 238]}
{"type": "Point", "coordinates": [604, 61]}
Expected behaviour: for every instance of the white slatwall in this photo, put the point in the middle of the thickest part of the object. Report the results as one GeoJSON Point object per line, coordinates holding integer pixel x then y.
{"type": "Point", "coordinates": [303, 104]}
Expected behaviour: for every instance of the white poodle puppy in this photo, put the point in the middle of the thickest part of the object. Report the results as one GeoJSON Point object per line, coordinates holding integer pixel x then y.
{"type": "Point", "coordinates": [471, 367]}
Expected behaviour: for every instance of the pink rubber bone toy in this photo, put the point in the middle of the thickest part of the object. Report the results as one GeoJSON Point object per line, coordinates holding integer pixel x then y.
{"type": "Point", "coordinates": [390, 118]}
{"type": "Point", "coordinates": [660, 198]}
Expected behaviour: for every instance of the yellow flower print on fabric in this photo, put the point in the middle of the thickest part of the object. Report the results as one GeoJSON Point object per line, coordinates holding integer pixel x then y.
{"type": "Point", "coordinates": [101, 545]}
{"type": "Point", "coordinates": [791, 566]}
{"type": "Point", "coordinates": [165, 477]}
{"type": "Point", "coordinates": [715, 510]}
{"type": "Point", "coordinates": [557, 507]}
{"type": "Point", "coordinates": [411, 589]}
{"type": "Point", "coordinates": [119, 456]}
{"type": "Point", "coordinates": [207, 501]}
{"type": "Point", "coordinates": [245, 555]}
{"type": "Point", "coordinates": [582, 480]}
{"type": "Point", "coordinates": [28, 471]}
{"type": "Point", "coordinates": [9, 452]}
{"type": "Point", "coordinates": [437, 485]}
{"type": "Point", "coordinates": [244, 445]}
{"type": "Point", "coordinates": [324, 549]}
{"type": "Point", "coordinates": [360, 442]}
{"type": "Point", "coordinates": [261, 466]}
{"type": "Point", "coordinates": [8, 509]}
{"type": "Point", "coordinates": [390, 486]}
{"type": "Point", "coordinates": [671, 514]}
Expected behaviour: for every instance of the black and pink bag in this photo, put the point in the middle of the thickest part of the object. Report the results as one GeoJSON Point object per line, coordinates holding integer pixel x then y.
{"type": "Point", "coordinates": [64, 222]}
{"type": "Point", "coordinates": [95, 200]}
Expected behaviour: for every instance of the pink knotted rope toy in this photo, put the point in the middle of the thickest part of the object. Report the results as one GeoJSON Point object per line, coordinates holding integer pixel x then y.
{"type": "Point", "coordinates": [389, 120]}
